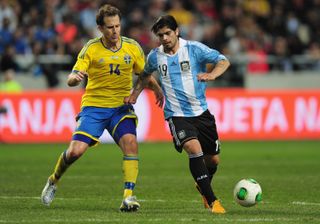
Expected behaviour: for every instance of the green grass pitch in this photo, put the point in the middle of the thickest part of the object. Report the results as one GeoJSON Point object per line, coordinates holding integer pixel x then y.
{"type": "Point", "coordinates": [91, 190]}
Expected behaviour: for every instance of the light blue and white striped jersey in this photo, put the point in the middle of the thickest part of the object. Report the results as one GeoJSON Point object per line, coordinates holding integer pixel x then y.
{"type": "Point", "coordinates": [184, 94]}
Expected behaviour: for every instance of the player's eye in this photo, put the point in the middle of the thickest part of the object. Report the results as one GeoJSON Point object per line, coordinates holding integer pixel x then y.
{"type": "Point", "coordinates": [112, 27]}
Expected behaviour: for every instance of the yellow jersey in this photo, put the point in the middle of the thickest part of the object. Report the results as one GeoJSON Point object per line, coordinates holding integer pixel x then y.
{"type": "Point", "coordinates": [109, 72]}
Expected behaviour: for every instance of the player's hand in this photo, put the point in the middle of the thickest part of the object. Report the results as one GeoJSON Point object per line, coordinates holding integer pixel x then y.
{"type": "Point", "coordinates": [205, 77]}
{"type": "Point", "coordinates": [215, 72]}
{"type": "Point", "coordinates": [75, 78]}
{"type": "Point", "coordinates": [159, 98]}
{"type": "Point", "coordinates": [80, 75]}
{"type": "Point", "coordinates": [132, 99]}
{"type": "Point", "coordinates": [129, 100]}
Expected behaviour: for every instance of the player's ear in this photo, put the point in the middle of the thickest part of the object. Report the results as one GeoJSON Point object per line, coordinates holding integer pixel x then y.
{"type": "Point", "coordinates": [100, 28]}
{"type": "Point", "coordinates": [177, 32]}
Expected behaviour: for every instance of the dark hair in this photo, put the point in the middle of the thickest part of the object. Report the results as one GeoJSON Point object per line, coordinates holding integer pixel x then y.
{"type": "Point", "coordinates": [164, 21]}
{"type": "Point", "coordinates": [105, 11]}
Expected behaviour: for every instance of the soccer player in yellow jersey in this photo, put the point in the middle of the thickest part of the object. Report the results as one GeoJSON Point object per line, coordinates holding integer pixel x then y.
{"type": "Point", "coordinates": [108, 62]}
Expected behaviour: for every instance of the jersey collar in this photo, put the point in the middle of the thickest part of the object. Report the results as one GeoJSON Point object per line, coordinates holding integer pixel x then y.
{"type": "Point", "coordinates": [182, 43]}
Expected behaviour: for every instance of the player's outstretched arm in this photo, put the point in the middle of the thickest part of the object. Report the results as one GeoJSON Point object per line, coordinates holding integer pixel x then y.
{"type": "Point", "coordinates": [218, 70]}
{"type": "Point", "coordinates": [75, 77]}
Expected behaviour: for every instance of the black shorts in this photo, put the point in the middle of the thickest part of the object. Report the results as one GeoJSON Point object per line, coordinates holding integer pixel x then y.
{"type": "Point", "coordinates": [202, 127]}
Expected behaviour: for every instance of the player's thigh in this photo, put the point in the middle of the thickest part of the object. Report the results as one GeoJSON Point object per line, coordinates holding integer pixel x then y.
{"type": "Point", "coordinates": [182, 131]}
{"type": "Point", "coordinates": [208, 135]}
{"type": "Point", "coordinates": [123, 121]}
{"type": "Point", "coordinates": [89, 129]}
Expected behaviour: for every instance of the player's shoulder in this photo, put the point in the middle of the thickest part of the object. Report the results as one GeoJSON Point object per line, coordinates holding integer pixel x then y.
{"type": "Point", "coordinates": [199, 48]}
{"type": "Point", "coordinates": [89, 47]}
{"type": "Point", "coordinates": [132, 45]}
{"type": "Point", "coordinates": [154, 51]}
{"type": "Point", "coordinates": [195, 44]}
{"type": "Point", "coordinates": [129, 41]}
{"type": "Point", "coordinates": [152, 55]}
{"type": "Point", "coordinates": [93, 42]}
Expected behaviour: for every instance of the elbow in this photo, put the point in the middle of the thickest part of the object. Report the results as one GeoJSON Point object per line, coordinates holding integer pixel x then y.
{"type": "Point", "coordinates": [227, 63]}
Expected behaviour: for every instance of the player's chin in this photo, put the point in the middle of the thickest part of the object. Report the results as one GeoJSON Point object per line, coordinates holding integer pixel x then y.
{"type": "Point", "coordinates": [167, 45]}
{"type": "Point", "coordinates": [115, 39]}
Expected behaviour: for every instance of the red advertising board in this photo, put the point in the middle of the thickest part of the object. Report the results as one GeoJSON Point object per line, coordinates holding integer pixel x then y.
{"type": "Point", "coordinates": [49, 116]}
{"type": "Point", "coordinates": [252, 114]}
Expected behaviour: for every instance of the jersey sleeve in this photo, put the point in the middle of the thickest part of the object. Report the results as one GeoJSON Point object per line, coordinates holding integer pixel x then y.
{"type": "Point", "coordinates": [207, 55]}
{"type": "Point", "coordinates": [151, 64]}
{"type": "Point", "coordinates": [83, 60]}
{"type": "Point", "coordinates": [140, 59]}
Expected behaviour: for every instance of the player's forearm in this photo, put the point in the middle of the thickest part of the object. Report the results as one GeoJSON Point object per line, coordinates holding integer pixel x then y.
{"type": "Point", "coordinates": [219, 69]}
{"type": "Point", "coordinates": [153, 84]}
{"type": "Point", "coordinates": [142, 82]}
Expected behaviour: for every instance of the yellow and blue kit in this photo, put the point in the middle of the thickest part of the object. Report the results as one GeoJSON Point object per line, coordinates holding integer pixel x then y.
{"type": "Point", "coordinates": [109, 81]}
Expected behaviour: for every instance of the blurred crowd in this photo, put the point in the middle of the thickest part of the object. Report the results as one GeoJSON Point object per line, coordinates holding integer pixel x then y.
{"type": "Point", "coordinates": [267, 34]}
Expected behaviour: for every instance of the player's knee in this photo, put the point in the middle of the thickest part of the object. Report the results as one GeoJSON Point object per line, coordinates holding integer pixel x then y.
{"type": "Point", "coordinates": [214, 160]}
{"type": "Point", "coordinates": [128, 144]}
{"type": "Point", "coordinates": [74, 154]}
{"type": "Point", "coordinates": [76, 150]}
{"type": "Point", "coordinates": [192, 146]}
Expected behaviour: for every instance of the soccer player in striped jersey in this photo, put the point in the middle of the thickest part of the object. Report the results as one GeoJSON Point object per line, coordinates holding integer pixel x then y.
{"type": "Point", "coordinates": [108, 63]}
{"type": "Point", "coordinates": [181, 65]}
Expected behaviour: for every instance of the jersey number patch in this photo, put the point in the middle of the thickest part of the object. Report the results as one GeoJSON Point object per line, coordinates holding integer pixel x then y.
{"type": "Point", "coordinates": [114, 69]}
{"type": "Point", "coordinates": [163, 69]}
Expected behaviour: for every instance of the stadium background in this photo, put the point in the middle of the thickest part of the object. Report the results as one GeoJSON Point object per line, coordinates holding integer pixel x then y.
{"type": "Point", "coordinates": [271, 91]}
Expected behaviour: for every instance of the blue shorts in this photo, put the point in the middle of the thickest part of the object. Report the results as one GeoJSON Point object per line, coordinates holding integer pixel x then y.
{"type": "Point", "coordinates": [92, 121]}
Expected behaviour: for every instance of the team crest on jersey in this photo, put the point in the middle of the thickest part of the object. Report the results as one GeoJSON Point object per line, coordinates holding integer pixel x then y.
{"type": "Point", "coordinates": [182, 134]}
{"type": "Point", "coordinates": [185, 66]}
{"type": "Point", "coordinates": [127, 59]}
